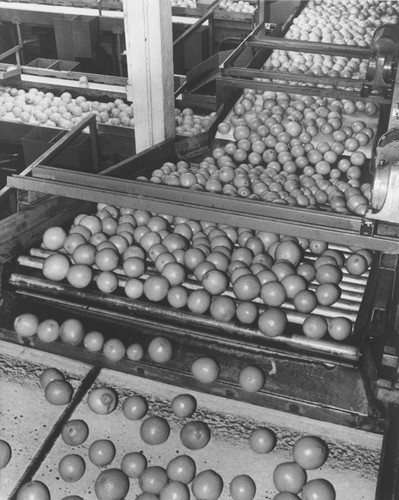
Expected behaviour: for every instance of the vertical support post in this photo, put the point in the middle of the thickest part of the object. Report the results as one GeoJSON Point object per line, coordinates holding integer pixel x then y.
{"type": "Point", "coordinates": [149, 52]}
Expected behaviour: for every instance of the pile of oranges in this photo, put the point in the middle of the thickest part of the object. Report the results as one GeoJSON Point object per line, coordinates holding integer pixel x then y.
{"type": "Point", "coordinates": [181, 476]}
{"type": "Point", "coordinates": [349, 22]}
{"type": "Point", "coordinates": [287, 149]}
{"type": "Point", "coordinates": [254, 278]}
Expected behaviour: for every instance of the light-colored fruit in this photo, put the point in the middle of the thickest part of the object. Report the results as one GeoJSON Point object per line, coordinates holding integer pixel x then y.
{"type": "Point", "coordinates": [102, 400]}
{"type": "Point", "coordinates": [58, 392]}
{"type": "Point", "coordinates": [205, 370]}
{"type": "Point", "coordinates": [111, 484]}
{"type": "Point", "coordinates": [56, 267]}
{"type": "Point", "coordinates": [26, 324]}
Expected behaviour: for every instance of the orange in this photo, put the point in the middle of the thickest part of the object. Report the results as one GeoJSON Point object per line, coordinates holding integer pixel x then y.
{"type": "Point", "coordinates": [195, 435]}
{"type": "Point", "coordinates": [71, 468]}
{"type": "Point", "coordinates": [5, 453]}
{"type": "Point", "coordinates": [135, 352]}
{"type": "Point", "coordinates": [163, 259]}
{"type": "Point", "coordinates": [262, 440]}
{"type": "Point", "coordinates": [272, 322]}
{"type": "Point", "coordinates": [102, 400]}
{"type": "Point", "coordinates": [107, 259]}
{"type": "Point", "coordinates": [160, 349]}
{"type": "Point", "coordinates": [154, 430]}
{"type": "Point", "coordinates": [267, 238]}
{"type": "Point", "coordinates": [109, 226]}
{"type": "Point", "coordinates": [328, 273]}
{"type": "Point", "coordinates": [265, 276]}
{"type": "Point", "coordinates": [58, 392]}
{"type": "Point", "coordinates": [84, 231]}
{"type": "Point", "coordinates": [50, 374]}
{"type": "Point", "coordinates": [367, 254]}
{"type": "Point", "coordinates": [282, 268]}
{"type": "Point", "coordinates": [85, 254]}
{"type": "Point", "coordinates": [48, 330]}
{"type": "Point", "coordinates": [247, 312]}
{"type": "Point", "coordinates": [120, 242]}
{"type": "Point", "coordinates": [255, 244]}
{"type": "Point", "coordinates": [244, 254]}
{"type": "Point", "coordinates": [175, 273]}
{"type": "Point", "coordinates": [157, 223]}
{"type": "Point", "coordinates": [314, 326]}
{"type": "Point", "coordinates": [75, 432]}
{"type": "Point", "coordinates": [174, 490]}
{"type": "Point", "coordinates": [33, 490]}
{"type": "Point", "coordinates": [156, 288]}
{"type": "Point", "coordinates": [107, 281]}
{"type": "Point", "coordinates": [92, 222]}
{"type": "Point", "coordinates": [181, 468]}
{"type": "Point", "coordinates": [318, 247]}
{"type": "Point", "coordinates": [340, 328]}
{"type": "Point", "coordinates": [177, 296]}
{"type": "Point", "coordinates": [306, 270]}
{"type": "Point", "coordinates": [273, 294]}
{"type": "Point", "coordinates": [251, 379]}
{"type": "Point", "coordinates": [152, 481]}
{"type": "Point", "coordinates": [149, 239]}
{"type": "Point", "coordinates": [290, 251]}
{"type": "Point", "coordinates": [175, 241]}
{"type": "Point", "coordinates": [289, 477]}
{"type": "Point", "coordinates": [215, 281]}
{"type": "Point", "coordinates": [207, 485]}
{"type": "Point", "coordinates": [193, 257]}
{"type": "Point", "coordinates": [205, 369]}
{"type": "Point", "coordinates": [54, 237]}
{"type": "Point", "coordinates": [72, 241]}
{"type": "Point", "coordinates": [310, 452]}
{"type": "Point", "coordinates": [246, 287]}
{"type": "Point", "coordinates": [293, 283]}
{"type": "Point", "coordinates": [327, 294]}
{"type": "Point", "coordinates": [111, 484]}
{"type": "Point", "coordinates": [356, 264]}
{"type": "Point", "coordinates": [93, 341]}
{"type": "Point", "coordinates": [134, 288]}
{"type": "Point", "coordinates": [318, 488]}
{"type": "Point", "coordinates": [134, 267]}
{"type": "Point", "coordinates": [223, 308]}
{"type": "Point", "coordinates": [305, 301]}
{"type": "Point", "coordinates": [72, 331]}
{"type": "Point", "coordinates": [26, 324]}
{"type": "Point", "coordinates": [184, 405]}
{"type": "Point", "coordinates": [238, 272]}
{"type": "Point", "coordinates": [114, 349]}
{"type": "Point", "coordinates": [79, 275]}
{"type": "Point", "coordinates": [325, 259]}
{"type": "Point", "coordinates": [199, 301]}
{"type": "Point", "coordinates": [242, 487]}
{"type": "Point", "coordinates": [133, 464]}
{"type": "Point", "coordinates": [155, 251]}
{"type": "Point", "coordinates": [102, 452]}
{"type": "Point", "coordinates": [219, 259]}
{"type": "Point", "coordinates": [56, 267]}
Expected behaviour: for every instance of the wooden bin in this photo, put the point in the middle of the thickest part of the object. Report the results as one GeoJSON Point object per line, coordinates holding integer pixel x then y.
{"type": "Point", "coordinates": [63, 36]}
{"type": "Point", "coordinates": [76, 156]}
{"type": "Point", "coordinates": [85, 30]}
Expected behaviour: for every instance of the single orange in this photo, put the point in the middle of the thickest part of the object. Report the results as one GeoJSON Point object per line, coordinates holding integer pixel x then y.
{"type": "Point", "coordinates": [272, 322]}
{"type": "Point", "coordinates": [223, 308]}
{"type": "Point", "coordinates": [273, 294]}
{"type": "Point", "coordinates": [314, 326]}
